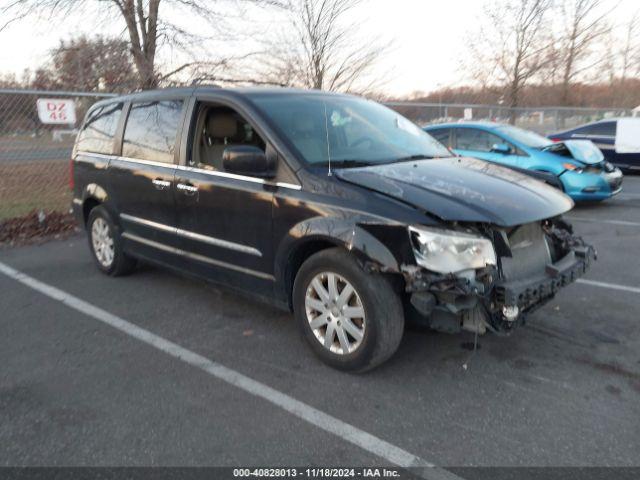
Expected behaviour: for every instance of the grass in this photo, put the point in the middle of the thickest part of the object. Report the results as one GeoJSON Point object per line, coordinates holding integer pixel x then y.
{"type": "Point", "coordinates": [28, 186]}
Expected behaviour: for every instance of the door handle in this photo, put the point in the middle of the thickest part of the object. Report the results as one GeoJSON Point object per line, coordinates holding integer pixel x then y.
{"type": "Point", "coordinates": [188, 189]}
{"type": "Point", "coordinates": [161, 184]}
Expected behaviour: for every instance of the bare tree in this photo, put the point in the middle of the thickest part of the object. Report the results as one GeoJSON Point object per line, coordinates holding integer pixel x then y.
{"type": "Point", "coordinates": [576, 51]}
{"type": "Point", "coordinates": [318, 49]}
{"type": "Point", "coordinates": [630, 52]}
{"type": "Point", "coordinates": [511, 47]}
{"type": "Point", "coordinates": [146, 28]}
{"type": "Point", "coordinates": [621, 64]}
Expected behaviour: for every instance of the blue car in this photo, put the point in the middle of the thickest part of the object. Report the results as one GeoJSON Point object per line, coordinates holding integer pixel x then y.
{"type": "Point", "coordinates": [618, 138]}
{"type": "Point", "coordinates": [578, 166]}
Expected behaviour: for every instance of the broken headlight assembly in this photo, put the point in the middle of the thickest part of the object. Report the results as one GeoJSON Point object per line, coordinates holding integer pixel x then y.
{"type": "Point", "coordinates": [448, 251]}
{"type": "Point", "coordinates": [573, 168]}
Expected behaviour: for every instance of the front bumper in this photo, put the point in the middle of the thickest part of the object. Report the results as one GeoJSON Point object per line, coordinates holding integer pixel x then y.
{"type": "Point", "coordinates": [531, 293]}
{"type": "Point", "coordinates": [592, 186]}
{"type": "Point", "coordinates": [485, 301]}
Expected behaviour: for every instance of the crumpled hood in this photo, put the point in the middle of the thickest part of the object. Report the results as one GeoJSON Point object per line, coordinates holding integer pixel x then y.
{"type": "Point", "coordinates": [463, 189]}
{"type": "Point", "coordinates": [583, 151]}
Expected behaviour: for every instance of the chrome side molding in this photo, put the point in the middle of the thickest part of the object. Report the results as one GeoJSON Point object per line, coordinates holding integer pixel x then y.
{"type": "Point", "coordinates": [193, 236]}
{"type": "Point", "coordinates": [212, 173]}
{"type": "Point", "coordinates": [195, 256]}
{"type": "Point", "coordinates": [148, 223]}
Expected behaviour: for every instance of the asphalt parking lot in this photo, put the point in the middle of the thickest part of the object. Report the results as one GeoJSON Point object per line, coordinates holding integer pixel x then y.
{"type": "Point", "coordinates": [562, 391]}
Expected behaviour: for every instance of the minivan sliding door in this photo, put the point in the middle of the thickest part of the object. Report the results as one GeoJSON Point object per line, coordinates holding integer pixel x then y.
{"type": "Point", "coordinates": [142, 177]}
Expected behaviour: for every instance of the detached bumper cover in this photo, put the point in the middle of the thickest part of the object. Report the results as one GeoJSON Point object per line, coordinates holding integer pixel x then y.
{"type": "Point", "coordinates": [529, 293]}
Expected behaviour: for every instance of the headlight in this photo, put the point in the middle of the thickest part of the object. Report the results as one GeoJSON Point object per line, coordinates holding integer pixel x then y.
{"type": "Point", "coordinates": [572, 167]}
{"type": "Point", "coordinates": [447, 251]}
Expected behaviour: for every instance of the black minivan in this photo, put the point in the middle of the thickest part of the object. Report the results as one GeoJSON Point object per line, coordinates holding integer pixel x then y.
{"type": "Point", "coordinates": [329, 205]}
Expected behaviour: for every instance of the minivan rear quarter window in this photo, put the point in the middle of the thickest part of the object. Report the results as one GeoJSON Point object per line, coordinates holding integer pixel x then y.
{"type": "Point", "coordinates": [151, 130]}
{"type": "Point", "coordinates": [99, 129]}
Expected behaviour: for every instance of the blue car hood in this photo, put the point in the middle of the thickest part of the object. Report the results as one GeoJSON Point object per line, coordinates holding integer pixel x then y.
{"type": "Point", "coordinates": [463, 189]}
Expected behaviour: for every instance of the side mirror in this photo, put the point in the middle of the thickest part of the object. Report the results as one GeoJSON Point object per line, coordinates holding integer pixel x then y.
{"type": "Point", "coordinates": [248, 160]}
{"type": "Point", "coordinates": [501, 148]}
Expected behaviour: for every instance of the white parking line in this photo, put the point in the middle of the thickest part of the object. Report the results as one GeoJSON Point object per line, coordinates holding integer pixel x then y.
{"type": "Point", "coordinates": [326, 422]}
{"type": "Point", "coordinates": [597, 220]}
{"type": "Point", "coordinates": [612, 286]}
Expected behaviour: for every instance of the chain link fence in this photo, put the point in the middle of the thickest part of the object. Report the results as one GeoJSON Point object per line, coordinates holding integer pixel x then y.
{"type": "Point", "coordinates": [544, 120]}
{"type": "Point", "coordinates": [34, 156]}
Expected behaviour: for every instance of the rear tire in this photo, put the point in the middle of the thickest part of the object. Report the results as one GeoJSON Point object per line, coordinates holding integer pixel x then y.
{"type": "Point", "coordinates": [354, 325]}
{"type": "Point", "coordinates": [105, 244]}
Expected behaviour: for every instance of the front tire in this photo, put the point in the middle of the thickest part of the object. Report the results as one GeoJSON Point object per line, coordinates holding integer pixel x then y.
{"type": "Point", "coordinates": [105, 244]}
{"type": "Point", "coordinates": [353, 320]}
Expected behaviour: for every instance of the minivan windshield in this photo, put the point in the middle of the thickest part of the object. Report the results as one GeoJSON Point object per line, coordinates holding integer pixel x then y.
{"type": "Point", "coordinates": [350, 131]}
{"type": "Point", "coordinates": [525, 137]}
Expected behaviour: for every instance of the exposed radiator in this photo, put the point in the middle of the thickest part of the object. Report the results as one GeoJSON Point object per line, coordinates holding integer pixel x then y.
{"type": "Point", "coordinates": [530, 253]}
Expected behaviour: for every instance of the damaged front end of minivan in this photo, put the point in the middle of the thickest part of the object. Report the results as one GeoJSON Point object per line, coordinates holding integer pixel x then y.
{"type": "Point", "coordinates": [493, 246]}
{"type": "Point", "coordinates": [501, 274]}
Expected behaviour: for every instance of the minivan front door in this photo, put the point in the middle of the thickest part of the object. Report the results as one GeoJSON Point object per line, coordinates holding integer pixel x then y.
{"type": "Point", "coordinates": [224, 220]}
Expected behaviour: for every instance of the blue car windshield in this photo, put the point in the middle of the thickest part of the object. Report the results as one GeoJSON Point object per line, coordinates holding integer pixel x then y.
{"type": "Point", "coordinates": [350, 131]}
{"type": "Point", "coordinates": [525, 137]}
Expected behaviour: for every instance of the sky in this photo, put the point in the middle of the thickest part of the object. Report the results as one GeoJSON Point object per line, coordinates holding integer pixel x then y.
{"type": "Point", "coordinates": [428, 38]}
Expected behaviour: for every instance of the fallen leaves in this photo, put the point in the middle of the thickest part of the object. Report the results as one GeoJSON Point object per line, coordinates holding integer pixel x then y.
{"type": "Point", "coordinates": [35, 226]}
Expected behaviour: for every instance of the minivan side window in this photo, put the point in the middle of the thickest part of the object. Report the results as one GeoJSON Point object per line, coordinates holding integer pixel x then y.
{"type": "Point", "coordinates": [219, 127]}
{"type": "Point", "coordinates": [99, 129]}
{"type": "Point", "coordinates": [151, 130]}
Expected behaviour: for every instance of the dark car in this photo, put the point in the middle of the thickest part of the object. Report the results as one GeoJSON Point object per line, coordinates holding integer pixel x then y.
{"type": "Point", "coordinates": [329, 205]}
{"type": "Point", "coordinates": [618, 139]}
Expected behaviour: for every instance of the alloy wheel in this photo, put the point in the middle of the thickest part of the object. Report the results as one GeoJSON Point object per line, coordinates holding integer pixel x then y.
{"type": "Point", "coordinates": [102, 241]}
{"type": "Point", "coordinates": [335, 313]}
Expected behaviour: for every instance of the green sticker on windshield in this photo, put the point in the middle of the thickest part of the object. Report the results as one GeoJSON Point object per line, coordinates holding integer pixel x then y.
{"type": "Point", "coordinates": [337, 120]}
{"type": "Point", "coordinates": [404, 124]}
